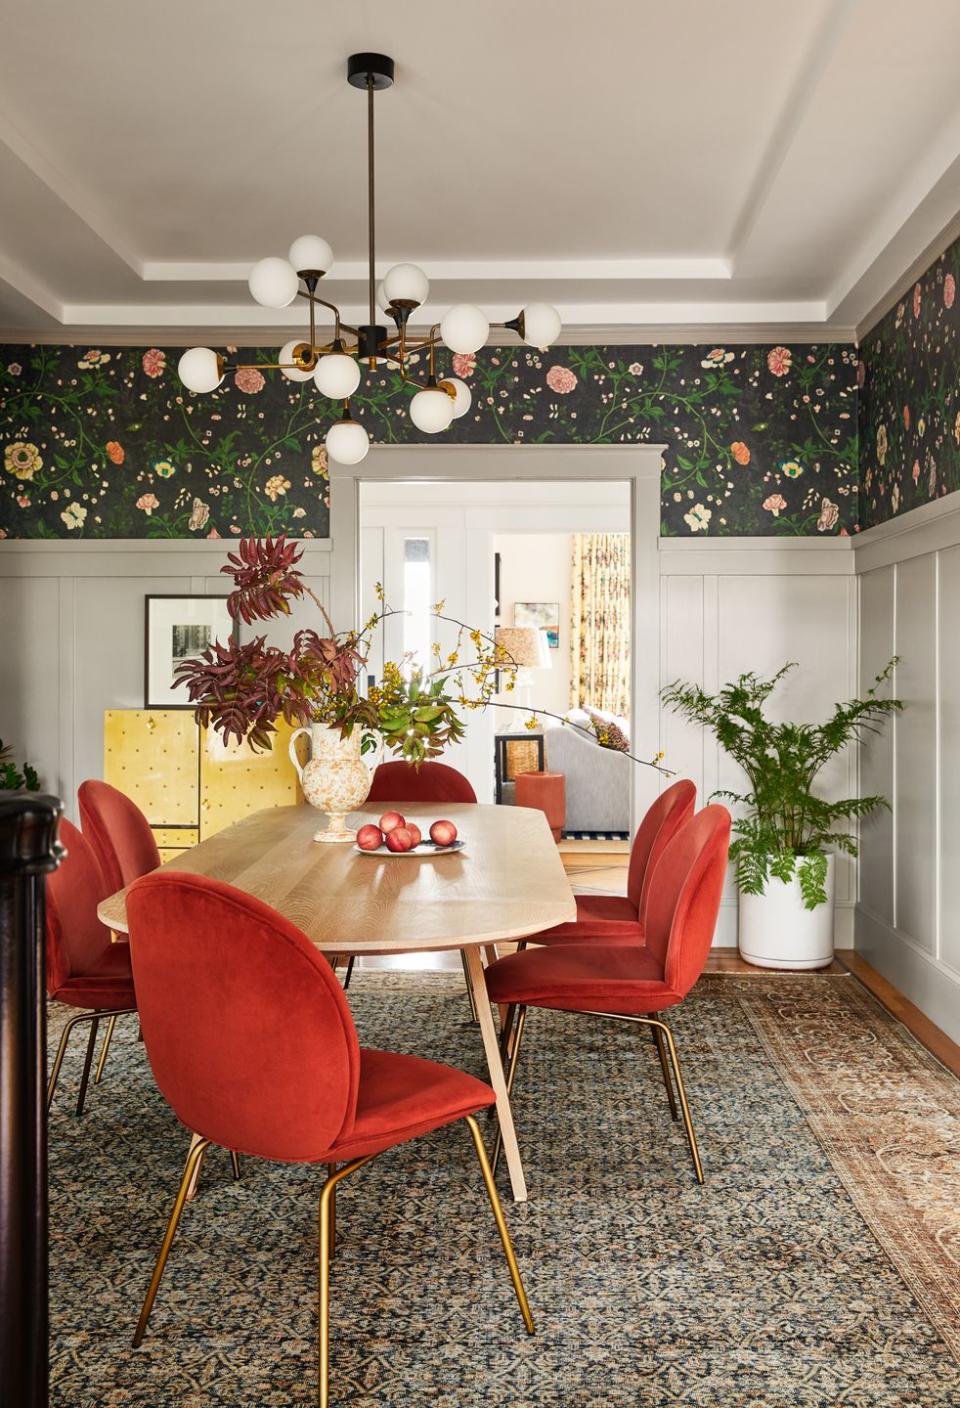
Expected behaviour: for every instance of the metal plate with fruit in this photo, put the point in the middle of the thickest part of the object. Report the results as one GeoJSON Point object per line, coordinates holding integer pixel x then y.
{"type": "Point", "coordinates": [395, 836]}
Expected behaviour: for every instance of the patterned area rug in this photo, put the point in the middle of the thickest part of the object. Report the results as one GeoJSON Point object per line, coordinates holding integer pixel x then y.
{"type": "Point", "coordinates": [818, 1265]}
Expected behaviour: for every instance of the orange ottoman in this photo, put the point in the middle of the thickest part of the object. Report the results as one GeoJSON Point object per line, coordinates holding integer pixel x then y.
{"type": "Point", "coordinates": [547, 792]}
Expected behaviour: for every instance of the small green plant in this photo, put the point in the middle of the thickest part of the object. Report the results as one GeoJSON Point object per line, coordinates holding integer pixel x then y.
{"type": "Point", "coordinates": [786, 827]}
{"type": "Point", "coordinates": [11, 778]}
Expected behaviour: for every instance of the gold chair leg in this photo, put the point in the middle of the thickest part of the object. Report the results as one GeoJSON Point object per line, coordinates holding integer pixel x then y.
{"type": "Point", "coordinates": [491, 1188]}
{"type": "Point", "coordinates": [325, 1219]}
{"type": "Point", "coordinates": [511, 1074]}
{"type": "Point", "coordinates": [87, 1062]}
{"type": "Point", "coordinates": [104, 1049]}
{"type": "Point", "coordinates": [681, 1091]}
{"type": "Point", "coordinates": [68, 1027]}
{"type": "Point", "coordinates": [235, 1161]}
{"type": "Point", "coordinates": [661, 1046]}
{"type": "Point", "coordinates": [331, 1170]}
{"type": "Point", "coordinates": [192, 1165]}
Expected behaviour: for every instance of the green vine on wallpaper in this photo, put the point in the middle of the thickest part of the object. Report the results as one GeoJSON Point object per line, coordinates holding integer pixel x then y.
{"type": "Point", "coordinates": [105, 442]}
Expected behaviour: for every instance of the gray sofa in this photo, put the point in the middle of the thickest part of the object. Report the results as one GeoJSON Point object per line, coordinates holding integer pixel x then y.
{"type": "Point", "coordinates": [597, 780]}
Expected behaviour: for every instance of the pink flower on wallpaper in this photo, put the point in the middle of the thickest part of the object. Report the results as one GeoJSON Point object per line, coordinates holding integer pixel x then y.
{"type": "Point", "coordinates": [779, 360]}
{"type": "Point", "coordinates": [906, 417]}
{"type": "Point", "coordinates": [248, 379]}
{"type": "Point", "coordinates": [861, 373]}
{"type": "Point", "coordinates": [917, 298]}
{"type": "Point", "coordinates": [464, 363]}
{"type": "Point", "coordinates": [213, 533]}
{"type": "Point", "coordinates": [561, 380]}
{"type": "Point", "coordinates": [916, 471]}
{"type": "Point", "coordinates": [775, 504]}
{"type": "Point", "coordinates": [829, 513]}
{"type": "Point", "coordinates": [148, 502]}
{"type": "Point", "coordinates": [949, 290]}
{"type": "Point", "coordinates": [154, 362]}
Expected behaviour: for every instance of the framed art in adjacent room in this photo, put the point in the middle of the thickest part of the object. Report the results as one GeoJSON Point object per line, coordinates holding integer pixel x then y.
{"type": "Point", "coordinates": [543, 614]}
{"type": "Point", "coordinates": [176, 628]}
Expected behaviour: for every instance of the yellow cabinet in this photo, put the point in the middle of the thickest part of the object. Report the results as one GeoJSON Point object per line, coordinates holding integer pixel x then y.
{"type": "Point", "coordinates": [185, 780]}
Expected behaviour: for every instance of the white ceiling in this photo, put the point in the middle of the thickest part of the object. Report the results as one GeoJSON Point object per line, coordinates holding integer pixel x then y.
{"type": "Point", "coordinates": [641, 163]}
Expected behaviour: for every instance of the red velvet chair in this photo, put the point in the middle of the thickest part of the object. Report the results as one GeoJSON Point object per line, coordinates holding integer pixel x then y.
{"type": "Point", "coordinates": [118, 833]}
{"type": "Point", "coordinates": [634, 982]}
{"type": "Point", "coordinates": [85, 969]}
{"type": "Point", "coordinates": [435, 782]}
{"type": "Point", "coordinates": [619, 918]}
{"type": "Point", "coordinates": [252, 1043]}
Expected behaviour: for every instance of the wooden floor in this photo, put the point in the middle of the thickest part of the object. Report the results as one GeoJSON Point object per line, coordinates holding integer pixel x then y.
{"type": "Point", "coordinates": [600, 867]}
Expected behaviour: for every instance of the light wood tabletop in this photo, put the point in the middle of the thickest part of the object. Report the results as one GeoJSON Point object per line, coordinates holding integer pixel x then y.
{"type": "Point", "coordinates": [508, 882]}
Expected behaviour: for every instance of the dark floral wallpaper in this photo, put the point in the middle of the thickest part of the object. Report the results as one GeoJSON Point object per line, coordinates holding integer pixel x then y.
{"type": "Point", "coordinates": [105, 443]}
{"type": "Point", "coordinates": [910, 397]}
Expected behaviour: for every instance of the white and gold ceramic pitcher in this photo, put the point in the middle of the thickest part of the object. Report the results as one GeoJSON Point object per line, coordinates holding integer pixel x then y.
{"type": "Point", "coordinates": [337, 779]}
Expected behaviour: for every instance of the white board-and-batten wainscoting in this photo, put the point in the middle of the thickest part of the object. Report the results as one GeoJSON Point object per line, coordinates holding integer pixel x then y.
{"type": "Point", "coordinates": [908, 918]}
{"type": "Point", "coordinates": [72, 623]}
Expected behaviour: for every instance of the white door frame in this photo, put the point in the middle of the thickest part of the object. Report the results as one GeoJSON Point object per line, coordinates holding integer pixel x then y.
{"type": "Point", "coordinates": [639, 464]}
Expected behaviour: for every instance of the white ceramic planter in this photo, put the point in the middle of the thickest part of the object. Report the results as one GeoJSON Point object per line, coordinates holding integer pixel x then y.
{"type": "Point", "coordinates": [776, 931]}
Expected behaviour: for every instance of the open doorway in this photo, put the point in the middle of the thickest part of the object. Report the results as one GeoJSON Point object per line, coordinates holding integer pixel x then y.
{"type": "Point", "coordinates": [547, 566]}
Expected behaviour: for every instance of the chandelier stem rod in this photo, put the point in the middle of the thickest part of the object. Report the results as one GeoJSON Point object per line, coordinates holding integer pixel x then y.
{"type": "Point", "coordinates": [371, 220]}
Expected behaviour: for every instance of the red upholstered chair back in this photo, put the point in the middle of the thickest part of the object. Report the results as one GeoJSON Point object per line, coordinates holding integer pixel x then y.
{"type": "Point", "coordinates": [435, 782]}
{"type": "Point", "coordinates": [119, 833]}
{"type": "Point", "coordinates": [77, 943]}
{"type": "Point", "coordinates": [685, 897]}
{"type": "Point", "coordinates": [246, 1027]}
{"type": "Point", "coordinates": [661, 823]}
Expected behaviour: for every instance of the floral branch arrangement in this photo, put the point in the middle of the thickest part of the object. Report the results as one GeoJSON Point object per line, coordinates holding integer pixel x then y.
{"type": "Point", "coordinates": [241, 690]}
{"type": "Point", "coordinates": [11, 777]}
{"type": "Point", "coordinates": [786, 827]}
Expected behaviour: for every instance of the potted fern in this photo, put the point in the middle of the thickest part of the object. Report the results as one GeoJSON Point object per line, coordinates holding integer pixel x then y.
{"type": "Point", "coordinates": [785, 834]}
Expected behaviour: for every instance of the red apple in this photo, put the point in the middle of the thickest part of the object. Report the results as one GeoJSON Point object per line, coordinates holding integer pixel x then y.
{"type": "Point", "coordinates": [415, 832]}
{"type": "Point", "coordinates": [399, 839]}
{"type": "Point", "coordinates": [369, 837]}
{"type": "Point", "coordinates": [443, 833]}
{"type": "Point", "coordinates": [390, 820]}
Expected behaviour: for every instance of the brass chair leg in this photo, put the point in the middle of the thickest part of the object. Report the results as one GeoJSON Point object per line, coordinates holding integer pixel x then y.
{"type": "Point", "coordinates": [661, 1046]}
{"type": "Point", "coordinates": [466, 979]}
{"type": "Point", "coordinates": [349, 973]}
{"type": "Point", "coordinates": [68, 1027]}
{"type": "Point", "coordinates": [501, 1223]}
{"type": "Point", "coordinates": [326, 1227]}
{"type": "Point", "coordinates": [104, 1049]}
{"type": "Point", "coordinates": [191, 1167]}
{"type": "Point", "coordinates": [681, 1091]}
{"type": "Point", "coordinates": [235, 1161]}
{"type": "Point", "coordinates": [331, 1170]}
{"type": "Point", "coordinates": [511, 1074]}
{"type": "Point", "coordinates": [87, 1062]}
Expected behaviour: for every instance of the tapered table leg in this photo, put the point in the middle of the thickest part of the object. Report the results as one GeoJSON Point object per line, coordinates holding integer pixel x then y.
{"type": "Point", "coordinates": [498, 1080]}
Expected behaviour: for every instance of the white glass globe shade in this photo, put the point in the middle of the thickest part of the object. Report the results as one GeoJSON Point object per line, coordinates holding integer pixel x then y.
{"type": "Point", "coordinates": [383, 302]}
{"type": "Point", "coordinates": [464, 328]}
{"type": "Point", "coordinates": [463, 397]}
{"type": "Point", "coordinates": [405, 283]}
{"type": "Point", "coordinates": [337, 375]}
{"type": "Point", "coordinates": [199, 369]}
{"type": "Point", "coordinates": [311, 252]}
{"type": "Point", "coordinates": [286, 355]}
{"type": "Point", "coordinates": [541, 324]}
{"type": "Point", "coordinates": [431, 410]}
{"type": "Point", "coordinates": [274, 283]}
{"type": "Point", "coordinates": [347, 442]}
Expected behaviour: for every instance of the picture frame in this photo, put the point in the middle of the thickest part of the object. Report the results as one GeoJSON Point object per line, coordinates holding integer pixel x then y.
{"type": "Point", "coordinates": [545, 615]}
{"type": "Point", "coordinates": [176, 628]}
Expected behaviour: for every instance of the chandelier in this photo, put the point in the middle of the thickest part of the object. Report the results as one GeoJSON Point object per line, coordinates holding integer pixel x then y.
{"type": "Point", "coordinates": [335, 364]}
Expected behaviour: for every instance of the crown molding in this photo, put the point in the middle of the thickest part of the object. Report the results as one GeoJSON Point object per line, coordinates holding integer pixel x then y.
{"type": "Point", "coordinates": [597, 334]}
{"type": "Point", "coordinates": [920, 265]}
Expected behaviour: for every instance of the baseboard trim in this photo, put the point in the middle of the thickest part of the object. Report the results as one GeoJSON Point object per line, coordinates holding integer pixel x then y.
{"type": "Point", "coordinates": [923, 982]}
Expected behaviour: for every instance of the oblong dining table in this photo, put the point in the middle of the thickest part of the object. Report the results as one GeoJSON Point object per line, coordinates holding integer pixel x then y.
{"type": "Point", "coordinates": [508, 882]}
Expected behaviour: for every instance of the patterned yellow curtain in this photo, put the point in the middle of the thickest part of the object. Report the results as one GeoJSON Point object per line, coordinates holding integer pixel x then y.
{"type": "Point", "coordinates": [600, 622]}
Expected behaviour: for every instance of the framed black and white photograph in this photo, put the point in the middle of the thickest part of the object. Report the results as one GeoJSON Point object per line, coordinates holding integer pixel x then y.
{"type": "Point", "coordinates": [177, 628]}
